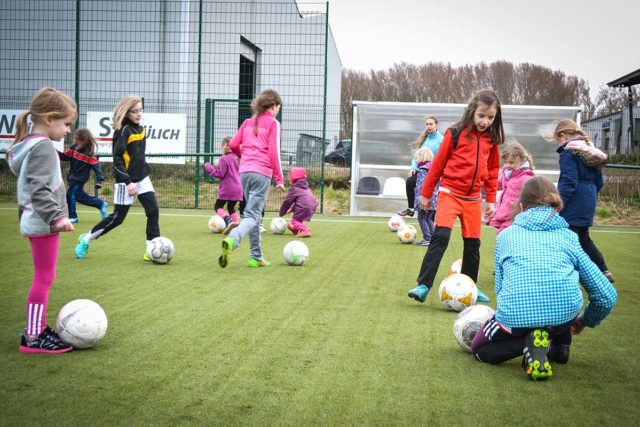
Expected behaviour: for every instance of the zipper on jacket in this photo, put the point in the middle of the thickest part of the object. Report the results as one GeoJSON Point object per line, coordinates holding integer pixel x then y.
{"type": "Point", "coordinates": [475, 172]}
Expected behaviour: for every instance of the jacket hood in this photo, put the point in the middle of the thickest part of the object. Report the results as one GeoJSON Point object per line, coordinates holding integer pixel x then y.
{"type": "Point", "coordinates": [19, 151]}
{"type": "Point", "coordinates": [541, 218]}
{"type": "Point", "coordinates": [301, 183]}
{"type": "Point", "coordinates": [590, 155]}
{"type": "Point", "coordinates": [297, 173]}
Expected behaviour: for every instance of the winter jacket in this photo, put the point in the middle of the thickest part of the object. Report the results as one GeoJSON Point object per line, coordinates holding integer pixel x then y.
{"type": "Point", "coordinates": [432, 142]}
{"type": "Point", "coordinates": [129, 147]}
{"type": "Point", "coordinates": [580, 180]}
{"type": "Point", "coordinates": [82, 162]}
{"type": "Point", "coordinates": [229, 176]}
{"type": "Point", "coordinates": [41, 194]}
{"type": "Point", "coordinates": [423, 170]}
{"type": "Point", "coordinates": [260, 154]}
{"type": "Point", "coordinates": [464, 171]}
{"type": "Point", "coordinates": [539, 268]}
{"type": "Point", "coordinates": [301, 200]}
{"type": "Point", "coordinates": [510, 188]}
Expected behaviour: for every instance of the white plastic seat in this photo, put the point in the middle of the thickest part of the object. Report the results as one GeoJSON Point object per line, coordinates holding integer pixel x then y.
{"type": "Point", "coordinates": [394, 187]}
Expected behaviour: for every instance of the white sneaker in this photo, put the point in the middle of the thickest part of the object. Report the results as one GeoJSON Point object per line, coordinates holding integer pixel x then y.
{"type": "Point", "coordinates": [262, 229]}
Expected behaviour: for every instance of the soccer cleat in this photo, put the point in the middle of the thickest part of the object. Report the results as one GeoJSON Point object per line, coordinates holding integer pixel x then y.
{"type": "Point", "coordinates": [258, 263]}
{"type": "Point", "coordinates": [73, 220]}
{"type": "Point", "coordinates": [146, 257]}
{"type": "Point", "coordinates": [481, 296]}
{"type": "Point", "coordinates": [47, 342]}
{"type": "Point", "coordinates": [609, 276]}
{"type": "Point", "coordinates": [406, 212]}
{"type": "Point", "coordinates": [82, 248]}
{"type": "Point", "coordinates": [559, 353]}
{"type": "Point", "coordinates": [227, 248]}
{"type": "Point", "coordinates": [303, 233]}
{"type": "Point", "coordinates": [262, 229]}
{"type": "Point", "coordinates": [419, 293]}
{"type": "Point", "coordinates": [422, 243]}
{"type": "Point", "coordinates": [104, 210]}
{"type": "Point", "coordinates": [535, 361]}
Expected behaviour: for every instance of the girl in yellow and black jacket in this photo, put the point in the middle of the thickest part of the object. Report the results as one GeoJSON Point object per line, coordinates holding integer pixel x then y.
{"type": "Point", "coordinates": [131, 175]}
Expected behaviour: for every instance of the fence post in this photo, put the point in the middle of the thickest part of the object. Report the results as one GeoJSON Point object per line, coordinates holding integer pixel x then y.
{"type": "Point", "coordinates": [324, 107]}
{"type": "Point", "coordinates": [196, 192]}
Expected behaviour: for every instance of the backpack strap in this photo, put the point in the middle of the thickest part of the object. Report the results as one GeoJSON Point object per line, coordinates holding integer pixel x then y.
{"type": "Point", "coordinates": [456, 136]}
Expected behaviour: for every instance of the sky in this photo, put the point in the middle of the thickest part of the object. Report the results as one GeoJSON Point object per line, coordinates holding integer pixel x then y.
{"type": "Point", "coordinates": [596, 40]}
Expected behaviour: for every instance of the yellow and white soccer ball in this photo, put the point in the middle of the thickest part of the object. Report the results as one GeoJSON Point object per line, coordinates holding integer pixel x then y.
{"type": "Point", "coordinates": [468, 322]}
{"type": "Point", "coordinates": [216, 224]}
{"type": "Point", "coordinates": [407, 233]}
{"type": "Point", "coordinates": [457, 292]}
{"type": "Point", "coordinates": [395, 222]}
{"type": "Point", "coordinates": [82, 323]}
{"type": "Point", "coordinates": [278, 225]}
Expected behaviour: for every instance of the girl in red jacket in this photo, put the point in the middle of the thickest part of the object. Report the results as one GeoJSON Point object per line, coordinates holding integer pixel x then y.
{"type": "Point", "coordinates": [467, 161]}
{"type": "Point", "coordinates": [518, 168]}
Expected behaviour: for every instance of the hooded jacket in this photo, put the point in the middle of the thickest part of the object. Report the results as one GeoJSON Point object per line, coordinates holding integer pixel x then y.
{"type": "Point", "coordinates": [129, 147]}
{"type": "Point", "coordinates": [41, 192]}
{"type": "Point", "coordinates": [580, 181]}
{"type": "Point", "coordinates": [510, 188]}
{"type": "Point", "coordinates": [539, 268]}
{"type": "Point", "coordinates": [301, 200]}
{"type": "Point", "coordinates": [432, 142]}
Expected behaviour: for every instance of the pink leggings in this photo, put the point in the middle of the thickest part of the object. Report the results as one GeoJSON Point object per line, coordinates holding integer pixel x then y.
{"type": "Point", "coordinates": [44, 252]}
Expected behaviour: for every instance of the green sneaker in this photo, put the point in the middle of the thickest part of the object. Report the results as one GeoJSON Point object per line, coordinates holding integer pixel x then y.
{"type": "Point", "coordinates": [82, 248]}
{"type": "Point", "coordinates": [146, 257]}
{"type": "Point", "coordinates": [536, 349]}
{"type": "Point", "coordinates": [258, 263]}
{"type": "Point", "coordinates": [227, 249]}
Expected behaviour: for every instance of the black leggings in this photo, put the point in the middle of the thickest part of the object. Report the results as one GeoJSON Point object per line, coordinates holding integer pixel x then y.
{"type": "Point", "coordinates": [411, 190]}
{"type": "Point", "coordinates": [589, 247]}
{"type": "Point", "coordinates": [150, 204]}
{"type": "Point", "coordinates": [231, 205]}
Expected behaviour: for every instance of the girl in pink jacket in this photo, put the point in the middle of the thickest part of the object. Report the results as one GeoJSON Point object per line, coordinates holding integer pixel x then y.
{"type": "Point", "coordinates": [518, 168]}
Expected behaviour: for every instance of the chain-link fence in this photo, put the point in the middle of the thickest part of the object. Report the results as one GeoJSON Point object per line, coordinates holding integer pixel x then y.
{"type": "Point", "coordinates": [179, 56]}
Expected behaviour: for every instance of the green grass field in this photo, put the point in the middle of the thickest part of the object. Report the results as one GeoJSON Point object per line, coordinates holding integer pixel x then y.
{"type": "Point", "coordinates": [334, 342]}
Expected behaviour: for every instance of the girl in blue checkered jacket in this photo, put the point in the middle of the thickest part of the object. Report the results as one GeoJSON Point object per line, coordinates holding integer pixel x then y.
{"type": "Point", "coordinates": [539, 269]}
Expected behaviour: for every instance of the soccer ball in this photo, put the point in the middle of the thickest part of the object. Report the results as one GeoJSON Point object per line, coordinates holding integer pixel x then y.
{"type": "Point", "coordinates": [457, 291]}
{"type": "Point", "coordinates": [278, 225]}
{"type": "Point", "coordinates": [216, 224]}
{"type": "Point", "coordinates": [82, 323]}
{"type": "Point", "coordinates": [456, 267]}
{"type": "Point", "coordinates": [160, 250]}
{"type": "Point", "coordinates": [295, 252]}
{"type": "Point", "coordinates": [407, 233]}
{"type": "Point", "coordinates": [469, 322]}
{"type": "Point", "coordinates": [395, 222]}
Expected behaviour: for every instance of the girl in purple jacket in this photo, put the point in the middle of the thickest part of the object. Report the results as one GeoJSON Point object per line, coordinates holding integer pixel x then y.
{"type": "Point", "coordinates": [518, 168]}
{"type": "Point", "coordinates": [230, 189]}
{"type": "Point", "coordinates": [300, 201]}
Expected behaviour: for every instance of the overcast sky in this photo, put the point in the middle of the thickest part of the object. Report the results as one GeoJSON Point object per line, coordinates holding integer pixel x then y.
{"type": "Point", "coordinates": [597, 40]}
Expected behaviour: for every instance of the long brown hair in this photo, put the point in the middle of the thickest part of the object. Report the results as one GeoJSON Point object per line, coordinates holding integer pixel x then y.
{"type": "Point", "coordinates": [84, 139]}
{"type": "Point", "coordinates": [423, 136]}
{"type": "Point", "coordinates": [489, 98]}
{"type": "Point", "coordinates": [540, 191]}
{"type": "Point", "coordinates": [267, 99]}
{"type": "Point", "coordinates": [46, 103]}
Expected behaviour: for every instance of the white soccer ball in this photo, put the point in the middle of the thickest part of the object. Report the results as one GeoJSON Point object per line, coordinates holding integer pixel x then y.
{"type": "Point", "coordinates": [469, 322]}
{"type": "Point", "coordinates": [456, 266]}
{"type": "Point", "coordinates": [457, 292]}
{"type": "Point", "coordinates": [278, 225]}
{"type": "Point", "coordinates": [82, 323]}
{"type": "Point", "coordinates": [407, 233]}
{"type": "Point", "coordinates": [216, 224]}
{"type": "Point", "coordinates": [295, 252]}
{"type": "Point", "coordinates": [395, 222]}
{"type": "Point", "coordinates": [160, 250]}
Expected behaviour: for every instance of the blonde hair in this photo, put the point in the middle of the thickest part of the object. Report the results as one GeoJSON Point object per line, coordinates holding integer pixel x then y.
{"type": "Point", "coordinates": [46, 103]}
{"type": "Point", "coordinates": [268, 98]}
{"type": "Point", "coordinates": [224, 145]}
{"type": "Point", "coordinates": [424, 155]}
{"type": "Point", "coordinates": [517, 151]}
{"type": "Point", "coordinates": [540, 191]}
{"type": "Point", "coordinates": [84, 139]}
{"type": "Point", "coordinates": [124, 105]}
{"type": "Point", "coordinates": [570, 128]}
{"type": "Point", "coordinates": [423, 136]}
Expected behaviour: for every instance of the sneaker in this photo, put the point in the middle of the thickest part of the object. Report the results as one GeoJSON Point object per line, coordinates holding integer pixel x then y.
{"type": "Point", "coordinates": [52, 332]}
{"type": "Point", "coordinates": [419, 293]}
{"type": "Point", "coordinates": [227, 248]}
{"type": "Point", "coordinates": [146, 257]}
{"type": "Point", "coordinates": [609, 276]}
{"type": "Point", "coordinates": [481, 296]}
{"type": "Point", "coordinates": [229, 226]}
{"type": "Point", "coordinates": [262, 229]}
{"type": "Point", "coordinates": [535, 361]}
{"type": "Point", "coordinates": [104, 210]}
{"type": "Point", "coordinates": [559, 353]}
{"type": "Point", "coordinates": [304, 233]}
{"type": "Point", "coordinates": [73, 220]}
{"type": "Point", "coordinates": [258, 263]}
{"type": "Point", "coordinates": [423, 243]}
{"type": "Point", "coordinates": [46, 342]}
{"type": "Point", "coordinates": [82, 248]}
{"type": "Point", "coordinates": [291, 228]}
{"type": "Point", "coordinates": [406, 212]}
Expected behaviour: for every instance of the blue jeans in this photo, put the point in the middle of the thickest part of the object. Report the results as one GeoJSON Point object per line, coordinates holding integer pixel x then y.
{"type": "Point", "coordinates": [76, 194]}
{"type": "Point", "coordinates": [256, 189]}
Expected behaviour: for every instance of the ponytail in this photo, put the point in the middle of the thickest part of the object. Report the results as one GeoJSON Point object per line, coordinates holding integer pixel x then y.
{"type": "Point", "coordinates": [48, 102]}
{"type": "Point", "coordinates": [268, 98]}
{"type": "Point", "coordinates": [22, 127]}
